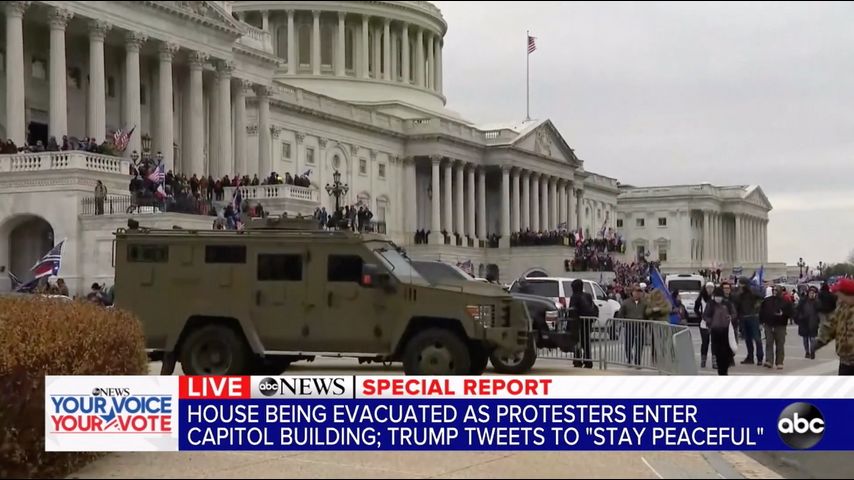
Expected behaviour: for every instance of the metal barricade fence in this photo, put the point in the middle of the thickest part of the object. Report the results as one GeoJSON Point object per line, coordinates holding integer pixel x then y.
{"type": "Point", "coordinates": [640, 344]}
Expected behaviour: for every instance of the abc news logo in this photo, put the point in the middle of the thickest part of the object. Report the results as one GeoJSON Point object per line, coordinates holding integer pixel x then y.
{"type": "Point", "coordinates": [303, 387]}
{"type": "Point", "coordinates": [110, 392]}
{"type": "Point", "coordinates": [801, 425]}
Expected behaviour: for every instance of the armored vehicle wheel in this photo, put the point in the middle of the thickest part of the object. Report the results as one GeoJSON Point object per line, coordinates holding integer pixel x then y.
{"type": "Point", "coordinates": [516, 362]}
{"type": "Point", "coordinates": [436, 351]}
{"type": "Point", "coordinates": [479, 358]}
{"type": "Point", "coordinates": [272, 365]}
{"type": "Point", "coordinates": [214, 350]}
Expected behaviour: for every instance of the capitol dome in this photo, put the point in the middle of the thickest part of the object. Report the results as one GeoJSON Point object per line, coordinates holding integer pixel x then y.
{"type": "Point", "coordinates": [387, 55]}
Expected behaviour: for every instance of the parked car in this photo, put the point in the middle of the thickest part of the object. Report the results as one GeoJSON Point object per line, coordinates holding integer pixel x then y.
{"type": "Point", "coordinates": [559, 290]}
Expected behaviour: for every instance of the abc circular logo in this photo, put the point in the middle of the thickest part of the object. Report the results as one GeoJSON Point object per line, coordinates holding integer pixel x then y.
{"type": "Point", "coordinates": [269, 386]}
{"type": "Point", "coordinates": [801, 425]}
{"type": "Point", "coordinates": [96, 392]}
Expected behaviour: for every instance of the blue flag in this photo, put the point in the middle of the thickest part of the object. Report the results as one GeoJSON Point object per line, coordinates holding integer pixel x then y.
{"type": "Point", "coordinates": [658, 284]}
{"type": "Point", "coordinates": [758, 281]}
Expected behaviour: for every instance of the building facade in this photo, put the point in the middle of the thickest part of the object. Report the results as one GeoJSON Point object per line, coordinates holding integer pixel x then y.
{"type": "Point", "coordinates": [255, 87]}
{"type": "Point", "coordinates": [693, 227]}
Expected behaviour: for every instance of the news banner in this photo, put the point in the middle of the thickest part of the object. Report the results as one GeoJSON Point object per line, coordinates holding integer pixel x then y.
{"type": "Point", "coordinates": [150, 413]}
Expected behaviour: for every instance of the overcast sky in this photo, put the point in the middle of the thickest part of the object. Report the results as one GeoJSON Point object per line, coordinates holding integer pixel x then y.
{"type": "Point", "coordinates": [672, 93]}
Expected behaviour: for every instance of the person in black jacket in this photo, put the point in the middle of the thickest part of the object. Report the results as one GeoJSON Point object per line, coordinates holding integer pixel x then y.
{"type": "Point", "coordinates": [703, 301]}
{"type": "Point", "coordinates": [746, 304]}
{"type": "Point", "coordinates": [807, 318]}
{"type": "Point", "coordinates": [582, 311]}
{"type": "Point", "coordinates": [774, 314]}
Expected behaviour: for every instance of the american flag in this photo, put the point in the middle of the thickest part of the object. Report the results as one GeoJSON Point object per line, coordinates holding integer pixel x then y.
{"type": "Point", "coordinates": [121, 138]}
{"type": "Point", "coordinates": [532, 44]}
{"type": "Point", "coordinates": [50, 263]}
{"type": "Point", "coordinates": [158, 175]}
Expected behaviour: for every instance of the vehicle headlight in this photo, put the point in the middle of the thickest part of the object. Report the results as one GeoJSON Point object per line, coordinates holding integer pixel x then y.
{"type": "Point", "coordinates": [484, 314]}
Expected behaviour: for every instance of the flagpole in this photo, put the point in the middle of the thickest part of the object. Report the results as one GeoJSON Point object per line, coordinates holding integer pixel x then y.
{"type": "Point", "coordinates": [527, 76]}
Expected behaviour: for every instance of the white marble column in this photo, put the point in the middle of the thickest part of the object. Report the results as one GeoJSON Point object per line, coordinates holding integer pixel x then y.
{"type": "Point", "coordinates": [438, 64]}
{"type": "Point", "coordinates": [226, 159]}
{"type": "Point", "coordinates": [133, 114]}
{"type": "Point", "coordinates": [435, 211]}
{"type": "Point", "coordinates": [265, 160]}
{"type": "Point", "coordinates": [341, 48]}
{"type": "Point", "coordinates": [470, 203]}
{"type": "Point", "coordinates": [241, 163]}
{"type": "Point", "coordinates": [411, 196]}
{"type": "Point", "coordinates": [571, 215]}
{"type": "Point", "coordinates": [535, 200]}
{"type": "Point", "coordinates": [58, 115]}
{"type": "Point", "coordinates": [365, 60]}
{"type": "Point", "coordinates": [419, 57]}
{"type": "Point", "coordinates": [376, 52]}
{"type": "Point", "coordinates": [404, 45]}
{"type": "Point", "coordinates": [481, 203]}
{"type": "Point", "coordinates": [739, 251]}
{"type": "Point", "coordinates": [386, 50]}
{"type": "Point", "coordinates": [428, 80]}
{"type": "Point", "coordinates": [561, 202]}
{"type": "Point", "coordinates": [765, 241]}
{"type": "Point", "coordinates": [706, 238]}
{"type": "Point", "coordinates": [544, 203]}
{"type": "Point", "coordinates": [505, 206]}
{"type": "Point", "coordinates": [553, 203]}
{"type": "Point", "coordinates": [165, 131]}
{"type": "Point", "coordinates": [459, 201]}
{"type": "Point", "coordinates": [754, 244]}
{"type": "Point", "coordinates": [514, 203]}
{"type": "Point", "coordinates": [526, 201]}
{"type": "Point", "coordinates": [16, 128]}
{"type": "Point", "coordinates": [97, 118]}
{"type": "Point", "coordinates": [195, 146]}
{"type": "Point", "coordinates": [579, 207]}
{"type": "Point", "coordinates": [292, 48]}
{"type": "Point", "coordinates": [395, 68]}
{"type": "Point", "coordinates": [315, 42]}
{"type": "Point", "coordinates": [447, 201]}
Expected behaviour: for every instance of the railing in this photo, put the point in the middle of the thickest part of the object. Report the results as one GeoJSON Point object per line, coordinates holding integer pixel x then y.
{"type": "Point", "coordinates": [257, 38]}
{"type": "Point", "coordinates": [126, 204]}
{"type": "Point", "coordinates": [283, 191]}
{"type": "Point", "coordinates": [641, 344]}
{"type": "Point", "coordinates": [62, 160]}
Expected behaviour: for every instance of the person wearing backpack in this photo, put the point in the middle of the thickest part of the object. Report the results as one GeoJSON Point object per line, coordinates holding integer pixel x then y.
{"type": "Point", "coordinates": [718, 317]}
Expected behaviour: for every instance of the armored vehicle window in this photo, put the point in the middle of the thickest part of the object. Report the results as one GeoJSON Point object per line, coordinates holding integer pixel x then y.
{"type": "Point", "coordinates": [275, 267]}
{"type": "Point", "coordinates": [148, 253]}
{"type": "Point", "coordinates": [344, 268]}
{"type": "Point", "coordinates": [225, 254]}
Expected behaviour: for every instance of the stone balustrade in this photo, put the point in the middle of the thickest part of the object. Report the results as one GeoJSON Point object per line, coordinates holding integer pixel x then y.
{"type": "Point", "coordinates": [63, 160]}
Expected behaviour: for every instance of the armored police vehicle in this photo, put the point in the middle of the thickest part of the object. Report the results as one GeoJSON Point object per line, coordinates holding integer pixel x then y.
{"type": "Point", "coordinates": [253, 301]}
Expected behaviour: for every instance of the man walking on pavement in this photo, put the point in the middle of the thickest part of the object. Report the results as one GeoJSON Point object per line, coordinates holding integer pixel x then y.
{"type": "Point", "coordinates": [839, 326]}
{"type": "Point", "coordinates": [807, 318]}
{"type": "Point", "coordinates": [583, 311]}
{"type": "Point", "coordinates": [746, 304]}
{"type": "Point", "coordinates": [774, 314]}
{"type": "Point", "coordinates": [634, 308]}
{"type": "Point", "coordinates": [703, 302]}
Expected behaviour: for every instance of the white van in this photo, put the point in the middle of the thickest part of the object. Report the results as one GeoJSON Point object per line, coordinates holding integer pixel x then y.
{"type": "Point", "coordinates": [559, 289]}
{"type": "Point", "coordinates": [689, 287]}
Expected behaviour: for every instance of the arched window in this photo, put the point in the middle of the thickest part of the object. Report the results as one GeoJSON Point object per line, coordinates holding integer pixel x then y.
{"type": "Point", "coordinates": [304, 44]}
{"type": "Point", "coordinates": [282, 42]}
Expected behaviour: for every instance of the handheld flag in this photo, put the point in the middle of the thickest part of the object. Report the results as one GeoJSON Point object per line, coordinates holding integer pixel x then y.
{"type": "Point", "coordinates": [158, 175]}
{"type": "Point", "coordinates": [121, 138]}
{"type": "Point", "coordinates": [50, 263]}
{"type": "Point", "coordinates": [758, 280]}
{"type": "Point", "coordinates": [658, 284]}
{"type": "Point", "coordinates": [307, 173]}
{"type": "Point", "coordinates": [15, 281]}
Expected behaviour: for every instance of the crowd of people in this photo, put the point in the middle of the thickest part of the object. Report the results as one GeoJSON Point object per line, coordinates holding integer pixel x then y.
{"type": "Point", "coordinates": [68, 143]}
{"type": "Point", "coordinates": [356, 217]}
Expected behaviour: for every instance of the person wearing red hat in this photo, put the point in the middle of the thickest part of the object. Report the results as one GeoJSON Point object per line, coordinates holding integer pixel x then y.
{"type": "Point", "coordinates": [839, 326]}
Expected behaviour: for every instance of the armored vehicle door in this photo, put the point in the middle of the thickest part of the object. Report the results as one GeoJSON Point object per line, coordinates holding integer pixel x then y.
{"type": "Point", "coordinates": [278, 294]}
{"type": "Point", "coordinates": [356, 317]}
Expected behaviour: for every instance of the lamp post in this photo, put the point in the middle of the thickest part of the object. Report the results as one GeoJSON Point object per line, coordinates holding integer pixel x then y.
{"type": "Point", "coordinates": [821, 266]}
{"type": "Point", "coordinates": [147, 156]}
{"type": "Point", "coordinates": [801, 265]}
{"type": "Point", "coordinates": [337, 189]}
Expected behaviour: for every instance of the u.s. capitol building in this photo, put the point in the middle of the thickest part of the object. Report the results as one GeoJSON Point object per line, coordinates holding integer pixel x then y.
{"type": "Point", "coordinates": [255, 87]}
